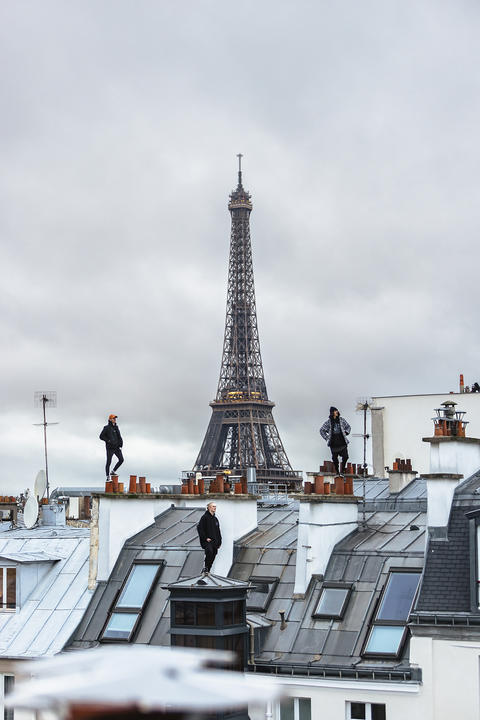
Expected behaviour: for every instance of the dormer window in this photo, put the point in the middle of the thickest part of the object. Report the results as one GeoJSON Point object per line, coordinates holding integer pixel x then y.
{"type": "Point", "coordinates": [389, 627]}
{"type": "Point", "coordinates": [332, 601]}
{"type": "Point", "coordinates": [8, 588]}
{"type": "Point", "coordinates": [131, 602]}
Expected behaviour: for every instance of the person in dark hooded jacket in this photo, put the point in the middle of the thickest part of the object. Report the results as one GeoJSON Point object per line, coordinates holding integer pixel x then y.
{"type": "Point", "coordinates": [335, 431]}
{"type": "Point", "coordinates": [113, 444]}
{"type": "Point", "coordinates": [209, 534]}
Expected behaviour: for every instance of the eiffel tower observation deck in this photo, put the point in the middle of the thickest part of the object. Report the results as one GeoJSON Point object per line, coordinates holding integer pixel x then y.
{"type": "Point", "coordinates": [242, 433]}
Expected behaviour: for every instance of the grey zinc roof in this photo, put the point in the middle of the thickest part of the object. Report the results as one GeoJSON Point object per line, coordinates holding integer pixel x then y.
{"type": "Point", "coordinates": [171, 539]}
{"type": "Point", "coordinates": [363, 559]}
{"type": "Point", "coordinates": [393, 537]}
{"type": "Point", "coordinates": [54, 607]}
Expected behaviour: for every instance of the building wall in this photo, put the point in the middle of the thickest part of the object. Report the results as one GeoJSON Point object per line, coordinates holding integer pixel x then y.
{"type": "Point", "coordinates": [329, 698]}
{"type": "Point", "coordinates": [451, 674]}
{"type": "Point", "coordinates": [401, 422]}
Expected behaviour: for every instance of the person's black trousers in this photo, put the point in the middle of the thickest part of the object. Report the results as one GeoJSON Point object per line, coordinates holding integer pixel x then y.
{"type": "Point", "coordinates": [210, 555]}
{"type": "Point", "coordinates": [110, 453]}
{"type": "Point", "coordinates": [340, 452]}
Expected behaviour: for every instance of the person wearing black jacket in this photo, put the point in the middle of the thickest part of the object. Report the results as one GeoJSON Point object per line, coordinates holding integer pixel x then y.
{"type": "Point", "coordinates": [113, 444]}
{"type": "Point", "coordinates": [210, 536]}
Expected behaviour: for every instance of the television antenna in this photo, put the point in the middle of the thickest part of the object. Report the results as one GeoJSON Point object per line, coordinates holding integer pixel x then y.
{"type": "Point", "coordinates": [364, 406]}
{"type": "Point", "coordinates": [41, 398]}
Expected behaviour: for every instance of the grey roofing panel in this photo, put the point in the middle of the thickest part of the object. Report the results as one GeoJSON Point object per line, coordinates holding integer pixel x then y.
{"type": "Point", "coordinates": [288, 574]}
{"type": "Point", "coordinates": [336, 567]}
{"type": "Point", "coordinates": [177, 557]}
{"type": "Point", "coordinates": [297, 610]}
{"type": "Point", "coordinates": [250, 555]}
{"type": "Point", "coordinates": [152, 613]}
{"type": "Point", "coordinates": [281, 640]}
{"type": "Point", "coordinates": [353, 568]}
{"type": "Point", "coordinates": [311, 641]}
{"type": "Point", "coordinates": [357, 610]}
{"type": "Point", "coordinates": [161, 635]}
{"type": "Point", "coordinates": [277, 604]}
{"type": "Point", "coordinates": [46, 633]}
{"type": "Point", "coordinates": [170, 573]}
{"type": "Point", "coordinates": [416, 489]}
{"type": "Point", "coordinates": [274, 516]}
{"type": "Point", "coordinates": [275, 556]}
{"type": "Point", "coordinates": [242, 571]}
{"type": "Point", "coordinates": [99, 617]}
{"type": "Point", "coordinates": [372, 568]}
{"type": "Point", "coordinates": [340, 643]}
{"type": "Point", "coordinates": [265, 570]}
{"type": "Point", "coordinates": [193, 564]}
{"type": "Point", "coordinates": [284, 590]}
{"type": "Point", "coordinates": [356, 538]}
{"type": "Point", "coordinates": [151, 553]}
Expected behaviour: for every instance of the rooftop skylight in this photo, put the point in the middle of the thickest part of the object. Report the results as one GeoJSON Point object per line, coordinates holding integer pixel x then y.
{"type": "Point", "coordinates": [389, 626]}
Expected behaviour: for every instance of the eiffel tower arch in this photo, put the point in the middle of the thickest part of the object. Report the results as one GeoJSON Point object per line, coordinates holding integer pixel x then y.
{"type": "Point", "coordinates": [242, 432]}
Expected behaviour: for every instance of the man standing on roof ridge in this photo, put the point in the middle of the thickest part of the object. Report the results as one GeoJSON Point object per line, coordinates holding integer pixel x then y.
{"type": "Point", "coordinates": [113, 444]}
{"type": "Point", "coordinates": [210, 536]}
{"type": "Point", "coordinates": [335, 431]}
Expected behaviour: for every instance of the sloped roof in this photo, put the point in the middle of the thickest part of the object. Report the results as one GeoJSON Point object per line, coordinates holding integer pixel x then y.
{"type": "Point", "coordinates": [173, 539]}
{"type": "Point", "coordinates": [446, 582]}
{"type": "Point", "coordinates": [362, 559]}
{"type": "Point", "coordinates": [51, 612]}
{"type": "Point", "coordinates": [393, 537]}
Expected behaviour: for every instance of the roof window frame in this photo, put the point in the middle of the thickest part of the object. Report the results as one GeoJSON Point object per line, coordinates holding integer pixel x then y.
{"type": "Point", "coordinates": [392, 623]}
{"type": "Point", "coordinates": [131, 609]}
{"type": "Point", "coordinates": [257, 579]}
{"type": "Point", "coordinates": [333, 586]}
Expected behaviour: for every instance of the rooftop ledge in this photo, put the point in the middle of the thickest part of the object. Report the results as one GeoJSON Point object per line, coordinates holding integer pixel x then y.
{"type": "Point", "coordinates": [301, 497]}
{"type": "Point", "coordinates": [172, 496]}
{"type": "Point", "coordinates": [442, 475]}
{"type": "Point", "coordinates": [451, 438]}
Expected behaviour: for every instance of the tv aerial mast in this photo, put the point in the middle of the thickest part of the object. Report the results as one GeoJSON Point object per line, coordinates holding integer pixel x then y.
{"type": "Point", "coordinates": [41, 398]}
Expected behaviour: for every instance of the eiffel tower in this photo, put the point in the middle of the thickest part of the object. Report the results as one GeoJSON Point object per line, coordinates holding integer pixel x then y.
{"type": "Point", "coordinates": [242, 432]}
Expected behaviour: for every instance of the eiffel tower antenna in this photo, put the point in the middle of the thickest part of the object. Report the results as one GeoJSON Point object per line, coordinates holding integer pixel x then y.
{"type": "Point", "coordinates": [242, 432]}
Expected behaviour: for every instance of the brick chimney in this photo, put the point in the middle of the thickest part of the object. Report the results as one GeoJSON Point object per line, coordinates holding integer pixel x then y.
{"type": "Point", "coordinates": [400, 475]}
{"type": "Point", "coordinates": [117, 516]}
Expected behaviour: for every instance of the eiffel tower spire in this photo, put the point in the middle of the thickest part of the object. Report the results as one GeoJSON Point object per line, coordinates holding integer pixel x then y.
{"type": "Point", "coordinates": [242, 432]}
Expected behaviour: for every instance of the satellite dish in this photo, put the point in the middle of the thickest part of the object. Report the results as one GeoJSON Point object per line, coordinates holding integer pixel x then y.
{"type": "Point", "coordinates": [30, 512]}
{"type": "Point", "coordinates": [40, 484]}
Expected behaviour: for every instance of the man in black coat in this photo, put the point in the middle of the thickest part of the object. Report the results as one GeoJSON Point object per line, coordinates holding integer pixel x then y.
{"type": "Point", "coordinates": [113, 444]}
{"type": "Point", "coordinates": [210, 536]}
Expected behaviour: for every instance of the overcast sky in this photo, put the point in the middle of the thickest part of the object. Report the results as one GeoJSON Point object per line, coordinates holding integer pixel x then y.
{"type": "Point", "coordinates": [120, 124]}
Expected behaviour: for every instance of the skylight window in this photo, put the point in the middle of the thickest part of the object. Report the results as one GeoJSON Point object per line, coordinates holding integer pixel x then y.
{"type": "Point", "coordinates": [258, 598]}
{"type": "Point", "coordinates": [389, 626]}
{"type": "Point", "coordinates": [333, 601]}
{"type": "Point", "coordinates": [130, 604]}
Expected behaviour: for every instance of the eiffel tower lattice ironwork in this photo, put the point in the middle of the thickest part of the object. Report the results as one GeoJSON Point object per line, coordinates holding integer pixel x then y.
{"type": "Point", "coordinates": [242, 432]}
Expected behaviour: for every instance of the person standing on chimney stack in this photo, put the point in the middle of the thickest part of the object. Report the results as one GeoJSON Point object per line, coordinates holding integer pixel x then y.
{"type": "Point", "coordinates": [113, 444]}
{"type": "Point", "coordinates": [335, 431]}
{"type": "Point", "coordinates": [210, 536]}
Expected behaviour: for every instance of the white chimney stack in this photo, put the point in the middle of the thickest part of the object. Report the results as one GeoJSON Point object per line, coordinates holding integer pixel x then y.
{"type": "Point", "coordinates": [453, 456]}
{"type": "Point", "coordinates": [323, 521]}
